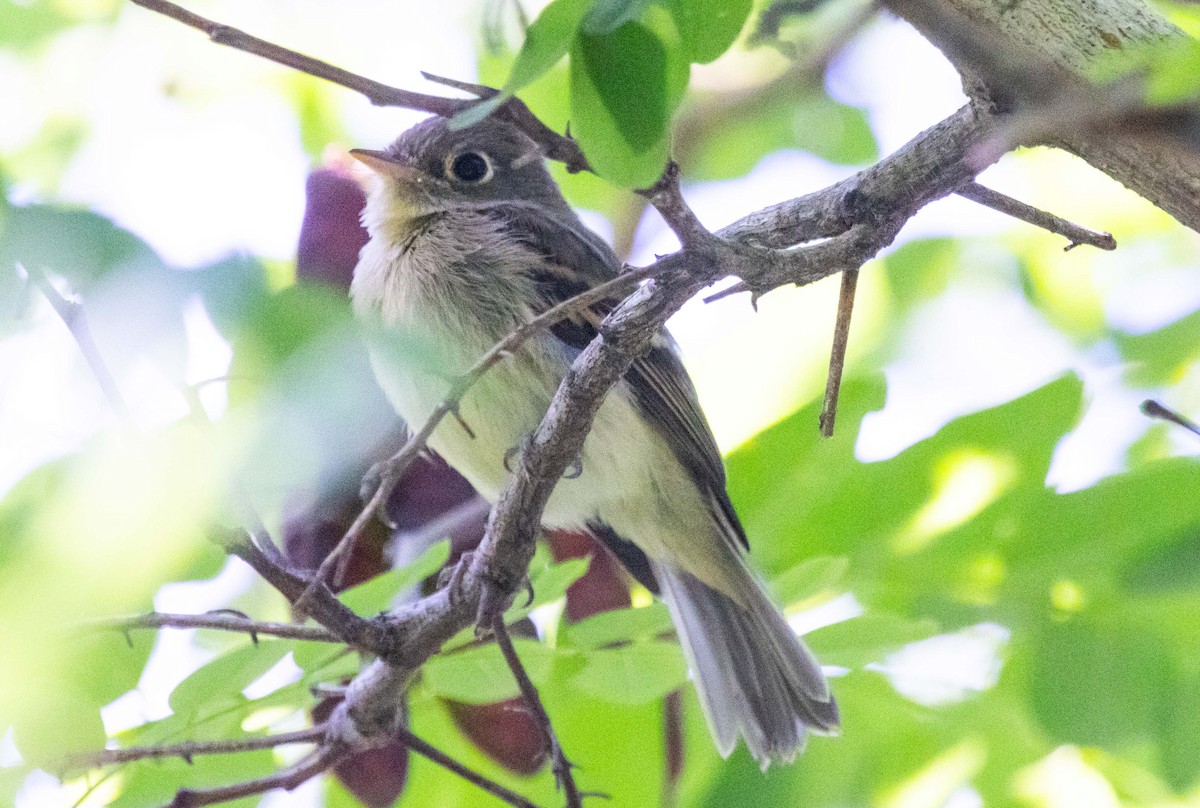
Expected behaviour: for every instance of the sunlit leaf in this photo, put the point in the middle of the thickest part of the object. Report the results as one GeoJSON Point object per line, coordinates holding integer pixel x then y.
{"type": "Point", "coordinates": [632, 674]}
{"type": "Point", "coordinates": [479, 675]}
{"type": "Point", "coordinates": [709, 27]}
{"type": "Point", "coordinates": [377, 595]}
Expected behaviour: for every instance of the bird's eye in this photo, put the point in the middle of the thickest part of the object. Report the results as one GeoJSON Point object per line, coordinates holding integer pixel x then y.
{"type": "Point", "coordinates": [471, 167]}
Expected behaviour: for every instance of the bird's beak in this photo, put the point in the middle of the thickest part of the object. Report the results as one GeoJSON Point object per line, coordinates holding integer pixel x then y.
{"type": "Point", "coordinates": [388, 166]}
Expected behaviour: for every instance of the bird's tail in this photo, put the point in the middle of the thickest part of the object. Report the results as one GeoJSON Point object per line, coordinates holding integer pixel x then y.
{"type": "Point", "coordinates": [754, 676]}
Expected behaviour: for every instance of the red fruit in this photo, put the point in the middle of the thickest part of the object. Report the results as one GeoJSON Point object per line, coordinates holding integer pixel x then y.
{"type": "Point", "coordinates": [505, 732]}
{"type": "Point", "coordinates": [310, 535]}
{"type": "Point", "coordinates": [331, 234]}
{"type": "Point", "coordinates": [605, 585]}
{"type": "Point", "coordinates": [376, 777]}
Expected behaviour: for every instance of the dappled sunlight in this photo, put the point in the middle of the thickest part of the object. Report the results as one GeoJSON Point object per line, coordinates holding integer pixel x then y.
{"type": "Point", "coordinates": [1064, 779]}
{"type": "Point", "coordinates": [937, 780]}
{"type": "Point", "coordinates": [950, 667]}
{"type": "Point", "coordinates": [966, 481]}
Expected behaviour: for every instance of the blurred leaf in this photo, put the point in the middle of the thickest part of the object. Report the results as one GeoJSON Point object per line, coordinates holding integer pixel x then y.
{"type": "Point", "coordinates": [377, 595]}
{"type": "Point", "coordinates": [1173, 71]}
{"type": "Point", "coordinates": [809, 578]}
{"type": "Point", "coordinates": [921, 269]}
{"type": "Point", "coordinates": [219, 684]}
{"type": "Point", "coordinates": [618, 625]}
{"type": "Point", "coordinates": [709, 27]}
{"type": "Point", "coordinates": [625, 85]}
{"type": "Point", "coordinates": [75, 244]}
{"type": "Point", "coordinates": [1157, 357]}
{"type": "Point", "coordinates": [632, 674]}
{"type": "Point", "coordinates": [1172, 566]}
{"type": "Point", "coordinates": [479, 675]}
{"type": "Point", "coordinates": [1179, 727]}
{"type": "Point", "coordinates": [40, 735]}
{"type": "Point", "coordinates": [607, 16]}
{"type": "Point", "coordinates": [24, 25]}
{"type": "Point", "coordinates": [547, 40]}
{"type": "Point", "coordinates": [729, 146]}
{"type": "Point", "coordinates": [859, 641]}
{"type": "Point", "coordinates": [1095, 680]}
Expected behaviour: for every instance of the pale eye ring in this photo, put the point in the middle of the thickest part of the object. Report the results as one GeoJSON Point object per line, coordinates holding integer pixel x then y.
{"type": "Point", "coordinates": [472, 168]}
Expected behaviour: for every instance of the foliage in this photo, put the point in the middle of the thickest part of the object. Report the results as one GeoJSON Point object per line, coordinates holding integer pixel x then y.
{"type": "Point", "coordinates": [1081, 607]}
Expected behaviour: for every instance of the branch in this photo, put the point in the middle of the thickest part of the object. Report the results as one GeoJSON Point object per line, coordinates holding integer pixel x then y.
{"type": "Point", "coordinates": [1153, 409]}
{"type": "Point", "coordinates": [288, 779]}
{"type": "Point", "coordinates": [215, 620]}
{"type": "Point", "coordinates": [561, 766]}
{"type": "Point", "coordinates": [470, 775]}
{"type": "Point", "coordinates": [837, 355]}
{"type": "Point", "coordinates": [1076, 234]}
{"type": "Point", "coordinates": [191, 749]}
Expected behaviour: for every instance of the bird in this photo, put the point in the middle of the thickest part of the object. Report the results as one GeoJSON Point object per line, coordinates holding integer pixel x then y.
{"type": "Point", "coordinates": [470, 237]}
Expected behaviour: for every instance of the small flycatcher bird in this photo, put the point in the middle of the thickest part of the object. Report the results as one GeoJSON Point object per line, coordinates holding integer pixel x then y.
{"type": "Point", "coordinates": [470, 238]}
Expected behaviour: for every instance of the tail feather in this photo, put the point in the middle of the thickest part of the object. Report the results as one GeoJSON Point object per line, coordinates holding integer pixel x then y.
{"type": "Point", "coordinates": [754, 677]}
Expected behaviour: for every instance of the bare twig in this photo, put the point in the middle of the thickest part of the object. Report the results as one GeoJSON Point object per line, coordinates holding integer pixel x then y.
{"type": "Point", "coordinates": [559, 763]}
{"type": "Point", "coordinates": [837, 355]}
{"type": "Point", "coordinates": [554, 145]}
{"type": "Point", "coordinates": [394, 467]}
{"type": "Point", "coordinates": [1076, 234]}
{"type": "Point", "coordinates": [215, 620]}
{"type": "Point", "coordinates": [1153, 409]}
{"type": "Point", "coordinates": [289, 778]}
{"type": "Point", "coordinates": [75, 318]}
{"type": "Point", "coordinates": [191, 749]}
{"type": "Point", "coordinates": [470, 775]}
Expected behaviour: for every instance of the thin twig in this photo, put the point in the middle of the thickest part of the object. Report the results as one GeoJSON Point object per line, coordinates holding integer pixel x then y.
{"type": "Point", "coordinates": [75, 318]}
{"type": "Point", "coordinates": [394, 467]}
{"type": "Point", "coordinates": [291, 777]}
{"type": "Point", "coordinates": [1076, 234]}
{"type": "Point", "coordinates": [837, 356]}
{"type": "Point", "coordinates": [442, 759]}
{"type": "Point", "coordinates": [559, 763]}
{"type": "Point", "coordinates": [1153, 409]}
{"type": "Point", "coordinates": [554, 145]}
{"type": "Point", "coordinates": [191, 749]}
{"type": "Point", "coordinates": [215, 620]}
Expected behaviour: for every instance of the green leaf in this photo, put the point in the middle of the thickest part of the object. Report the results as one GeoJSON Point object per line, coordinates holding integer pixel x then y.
{"type": "Point", "coordinates": [766, 123]}
{"type": "Point", "coordinates": [860, 641]}
{"type": "Point", "coordinates": [1170, 567]}
{"type": "Point", "coordinates": [1179, 729]}
{"type": "Point", "coordinates": [1158, 357]}
{"type": "Point", "coordinates": [625, 86]}
{"type": "Point", "coordinates": [84, 248]}
{"type": "Point", "coordinates": [377, 595]}
{"type": "Point", "coordinates": [42, 736]}
{"type": "Point", "coordinates": [24, 25]}
{"type": "Point", "coordinates": [618, 625]}
{"type": "Point", "coordinates": [1095, 681]}
{"type": "Point", "coordinates": [607, 16]}
{"type": "Point", "coordinates": [632, 674]}
{"type": "Point", "coordinates": [219, 683]}
{"type": "Point", "coordinates": [479, 675]}
{"type": "Point", "coordinates": [546, 41]}
{"type": "Point", "coordinates": [709, 27]}
{"type": "Point", "coordinates": [810, 578]}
